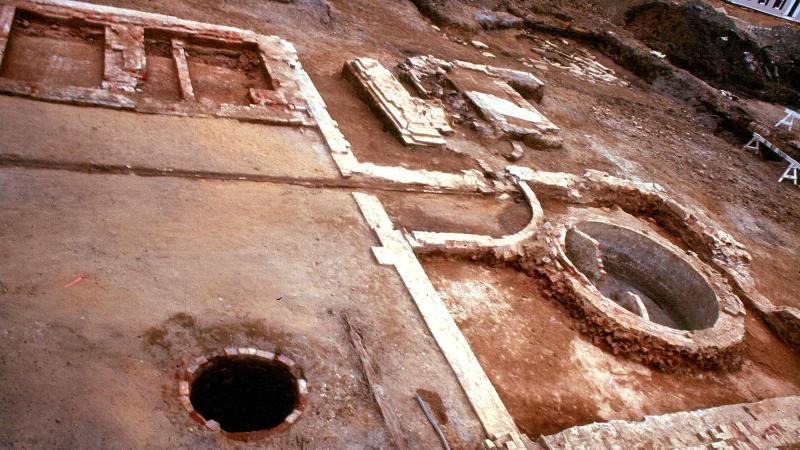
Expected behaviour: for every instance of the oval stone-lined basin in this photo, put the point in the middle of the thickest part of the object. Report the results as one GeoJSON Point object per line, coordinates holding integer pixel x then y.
{"type": "Point", "coordinates": [642, 276]}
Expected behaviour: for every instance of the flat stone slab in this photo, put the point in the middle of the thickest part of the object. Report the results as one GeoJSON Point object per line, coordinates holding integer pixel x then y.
{"type": "Point", "coordinates": [511, 117]}
{"type": "Point", "coordinates": [416, 121]}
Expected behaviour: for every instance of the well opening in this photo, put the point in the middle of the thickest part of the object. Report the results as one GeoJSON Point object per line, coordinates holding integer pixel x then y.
{"type": "Point", "coordinates": [244, 393]}
{"type": "Point", "coordinates": [643, 276]}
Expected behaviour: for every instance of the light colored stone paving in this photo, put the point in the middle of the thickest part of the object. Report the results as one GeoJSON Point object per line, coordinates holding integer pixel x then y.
{"type": "Point", "coordinates": [419, 67]}
{"type": "Point", "coordinates": [514, 118]}
{"type": "Point", "coordinates": [349, 165]}
{"type": "Point", "coordinates": [426, 241]}
{"type": "Point", "coordinates": [395, 251]}
{"type": "Point", "coordinates": [773, 423]}
{"type": "Point", "coordinates": [501, 95]}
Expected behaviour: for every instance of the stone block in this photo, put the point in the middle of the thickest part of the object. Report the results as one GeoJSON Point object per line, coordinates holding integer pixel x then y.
{"type": "Point", "coordinates": [415, 121]}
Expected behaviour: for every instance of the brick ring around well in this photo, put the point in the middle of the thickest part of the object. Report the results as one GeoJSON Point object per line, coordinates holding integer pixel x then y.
{"type": "Point", "coordinates": [187, 375]}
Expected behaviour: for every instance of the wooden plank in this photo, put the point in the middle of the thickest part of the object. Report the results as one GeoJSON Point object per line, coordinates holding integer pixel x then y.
{"type": "Point", "coordinates": [772, 147]}
{"type": "Point", "coordinates": [179, 55]}
{"type": "Point", "coordinates": [389, 416]}
{"type": "Point", "coordinates": [6, 20]}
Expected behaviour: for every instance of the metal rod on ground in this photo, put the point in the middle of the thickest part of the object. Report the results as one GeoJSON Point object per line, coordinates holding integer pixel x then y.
{"type": "Point", "coordinates": [433, 422]}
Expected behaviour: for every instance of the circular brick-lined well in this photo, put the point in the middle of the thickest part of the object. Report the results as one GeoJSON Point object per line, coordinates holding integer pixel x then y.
{"type": "Point", "coordinates": [694, 318]}
{"type": "Point", "coordinates": [671, 291]}
{"type": "Point", "coordinates": [244, 393]}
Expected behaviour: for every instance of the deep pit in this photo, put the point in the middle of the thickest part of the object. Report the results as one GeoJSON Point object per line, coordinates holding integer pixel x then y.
{"type": "Point", "coordinates": [244, 393]}
{"type": "Point", "coordinates": [642, 276]}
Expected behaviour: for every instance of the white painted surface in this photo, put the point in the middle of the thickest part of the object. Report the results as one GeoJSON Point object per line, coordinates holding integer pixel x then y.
{"type": "Point", "coordinates": [788, 9]}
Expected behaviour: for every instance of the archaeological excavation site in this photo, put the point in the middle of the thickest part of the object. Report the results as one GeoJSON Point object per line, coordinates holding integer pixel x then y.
{"type": "Point", "coordinates": [400, 224]}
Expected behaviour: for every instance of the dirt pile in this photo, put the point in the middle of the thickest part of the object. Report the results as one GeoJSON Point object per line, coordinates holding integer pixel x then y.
{"type": "Point", "coordinates": [705, 51]}
{"type": "Point", "coordinates": [696, 37]}
{"type": "Point", "coordinates": [729, 114]}
{"type": "Point", "coordinates": [447, 13]}
{"type": "Point", "coordinates": [471, 14]}
{"type": "Point", "coordinates": [782, 44]}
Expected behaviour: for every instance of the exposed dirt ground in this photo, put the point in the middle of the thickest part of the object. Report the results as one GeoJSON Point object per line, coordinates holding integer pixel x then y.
{"type": "Point", "coordinates": [457, 214]}
{"type": "Point", "coordinates": [524, 340]}
{"type": "Point", "coordinates": [175, 268]}
{"type": "Point", "coordinates": [105, 137]}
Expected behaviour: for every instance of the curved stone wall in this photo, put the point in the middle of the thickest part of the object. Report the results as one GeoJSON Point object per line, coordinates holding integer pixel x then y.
{"type": "Point", "coordinates": [712, 245]}
{"type": "Point", "coordinates": [672, 291]}
{"type": "Point", "coordinates": [610, 325]}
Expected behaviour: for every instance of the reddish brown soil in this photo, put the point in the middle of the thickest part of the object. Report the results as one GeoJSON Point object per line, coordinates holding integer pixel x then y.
{"type": "Point", "coordinates": [547, 374]}
{"type": "Point", "coordinates": [551, 378]}
{"type": "Point", "coordinates": [225, 75]}
{"type": "Point", "coordinates": [161, 81]}
{"type": "Point", "coordinates": [53, 52]}
{"type": "Point", "coordinates": [456, 214]}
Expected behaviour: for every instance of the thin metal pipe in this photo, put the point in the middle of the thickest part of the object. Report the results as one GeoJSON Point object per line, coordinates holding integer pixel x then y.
{"type": "Point", "coordinates": [433, 422]}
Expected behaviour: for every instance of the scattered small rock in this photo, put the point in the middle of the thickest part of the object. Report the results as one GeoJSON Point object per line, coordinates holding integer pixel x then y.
{"type": "Point", "coordinates": [481, 128]}
{"type": "Point", "coordinates": [658, 54]}
{"type": "Point", "coordinates": [497, 20]}
{"type": "Point", "coordinates": [516, 152]}
{"type": "Point", "coordinates": [479, 44]}
{"type": "Point", "coordinates": [485, 167]}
